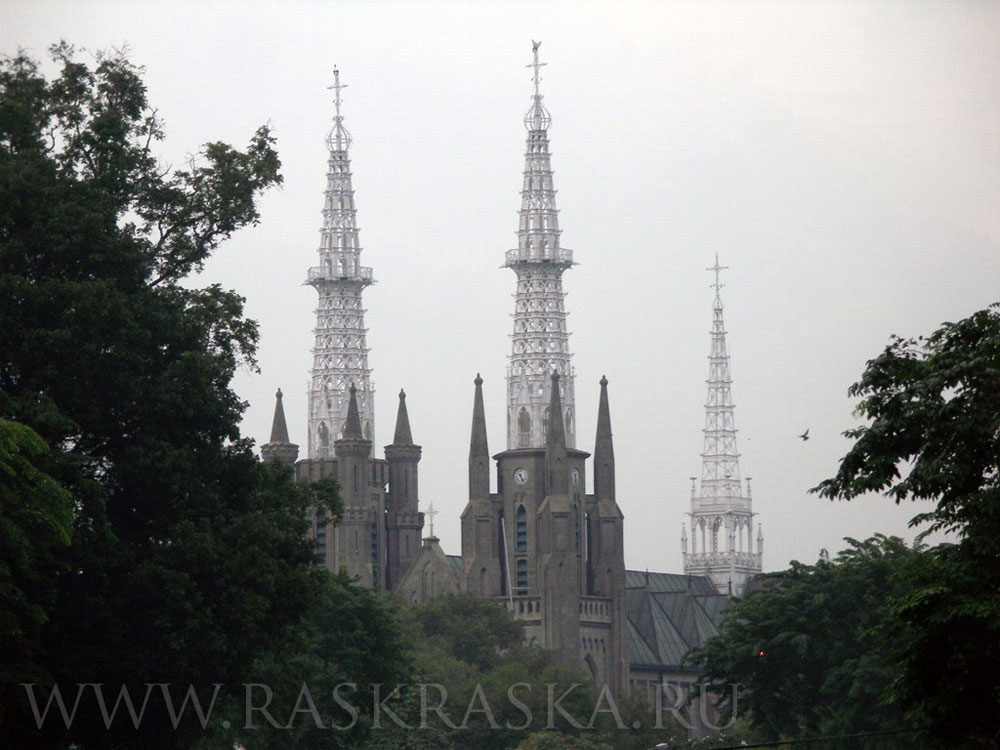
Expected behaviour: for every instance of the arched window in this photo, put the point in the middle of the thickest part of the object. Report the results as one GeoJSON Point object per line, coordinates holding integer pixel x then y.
{"type": "Point", "coordinates": [522, 577]}
{"type": "Point", "coordinates": [545, 422]}
{"type": "Point", "coordinates": [523, 429]}
{"type": "Point", "coordinates": [521, 529]}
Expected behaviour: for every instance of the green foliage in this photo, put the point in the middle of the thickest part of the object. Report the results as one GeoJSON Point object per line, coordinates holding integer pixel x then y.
{"type": "Point", "coordinates": [349, 641]}
{"type": "Point", "coordinates": [469, 628]}
{"type": "Point", "coordinates": [934, 436]}
{"type": "Point", "coordinates": [559, 741]}
{"type": "Point", "coordinates": [472, 650]}
{"type": "Point", "coordinates": [934, 406]}
{"type": "Point", "coordinates": [808, 651]}
{"type": "Point", "coordinates": [188, 562]}
{"type": "Point", "coordinates": [36, 521]}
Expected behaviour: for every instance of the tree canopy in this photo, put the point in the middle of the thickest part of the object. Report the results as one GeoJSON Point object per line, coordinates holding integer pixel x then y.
{"type": "Point", "coordinates": [933, 406]}
{"type": "Point", "coordinates": [162, 550]}
{"type": "Point", "coordinates": [807, 649]}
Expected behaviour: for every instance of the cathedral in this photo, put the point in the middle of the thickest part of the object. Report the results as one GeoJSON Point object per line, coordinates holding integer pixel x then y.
{"type": "Point", "coordinates": [543, 543]}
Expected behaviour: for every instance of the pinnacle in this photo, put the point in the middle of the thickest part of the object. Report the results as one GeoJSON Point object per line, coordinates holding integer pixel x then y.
{"type": "Point", "coordinates": [403, 435]}
{"type": "Point", "coordinates": [279, 429]}
{"type": "Point", "coordinates": [352, 427]}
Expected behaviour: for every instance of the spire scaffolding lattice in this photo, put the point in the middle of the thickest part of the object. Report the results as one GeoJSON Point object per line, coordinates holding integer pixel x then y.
{"type": "Point", "coordinates": [540, 342]}
{"type": "Point", "coordinates": [721, 515]}
{"type": "Point", "coordinates": [340, 354]}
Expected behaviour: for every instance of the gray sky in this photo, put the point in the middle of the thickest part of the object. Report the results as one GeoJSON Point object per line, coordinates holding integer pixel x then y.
{"type": "Point", "coordinates": [842, 158]}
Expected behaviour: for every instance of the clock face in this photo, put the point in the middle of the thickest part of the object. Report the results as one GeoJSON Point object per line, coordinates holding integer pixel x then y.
{"type": "Point", "coordinates": [520, 476]}
{"type": "Point", "coordinates": [575, 476]}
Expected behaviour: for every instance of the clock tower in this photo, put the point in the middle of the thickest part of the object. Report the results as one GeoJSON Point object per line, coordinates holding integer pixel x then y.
{"type": "Point", "coordinates": [550, 552]}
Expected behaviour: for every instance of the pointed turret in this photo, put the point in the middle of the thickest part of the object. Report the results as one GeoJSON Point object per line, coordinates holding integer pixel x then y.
{"type": "Point", "coordinates": [479, 451]}
{"type": "Point", "coordinates": [402, 435]}
{"type": "Point", "coordinates": [403, 522]}
{"type": "Point", "coordinates": [279, 430]}
{"type": "Point", "coordinates": [555, 445]}
{"type": "Point", "coordinates": [721, 513]}
{"type": "Point", "coordinates": [352, 427]}
{"type": "Point", "coordinates": [540, 343]}
{"type": "Point", "coordinates": [340, 352]}
{"type": "Point", "coordinates": [482, 572]}
{"type": "Point", "coordinates": [604, 449]}
{"type": "Point", "coordinates": [278, 447]}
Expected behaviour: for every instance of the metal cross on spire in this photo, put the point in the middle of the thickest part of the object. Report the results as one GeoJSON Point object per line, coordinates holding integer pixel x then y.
{"type": "Point", "coordinates": [537, 117]}
{"type": "Point", "coordinates": [430, 513]}
{"type": "Point", "coordinates": [338, 139]}
{"type": "Point", "coordinates": [536, 65]}
{"type": "Point", "coordinates": [337, 86]}
{"type": "Point", "coordinates": [718, 269]}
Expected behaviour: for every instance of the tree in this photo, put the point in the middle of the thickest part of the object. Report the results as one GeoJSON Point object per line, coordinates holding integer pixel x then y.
{"type": "Point", "coordinates": [807, 650]}
{"type": "Point", "coordinates": [188, 559]}
{"type": "Point", "coordinates": [472, 650]}
{"type": "Point", "coordinates": [559, 741]}
{"type": "Point", "coordinates": [36, 520]}
{"type": "Point", "coordinates": [934, 436]}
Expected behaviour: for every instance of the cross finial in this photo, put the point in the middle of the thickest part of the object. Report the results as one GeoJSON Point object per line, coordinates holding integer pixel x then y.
{"type": "Point", "coordinates": [336, 87]}
{"type": "Point", "coordinates": [338, 139]}
{"type": "Point", "coordinates": [718, 269]}
{"type": "Point", "coordinates": [430, 513]}
{"type": "Point", "coordinates": [536, 65]}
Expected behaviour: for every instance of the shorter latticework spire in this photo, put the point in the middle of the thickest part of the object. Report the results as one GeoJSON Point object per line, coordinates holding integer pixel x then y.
{"type": "Point", "coordinates": [721, 515]}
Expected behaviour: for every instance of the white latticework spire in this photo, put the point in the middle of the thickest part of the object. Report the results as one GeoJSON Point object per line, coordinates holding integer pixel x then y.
{"type": "Point", "coordinates": [721, 516]}
{"type": "Point", "coordinates": [540, 343]}
{"type": "Point", "coordinates": [340, 356]}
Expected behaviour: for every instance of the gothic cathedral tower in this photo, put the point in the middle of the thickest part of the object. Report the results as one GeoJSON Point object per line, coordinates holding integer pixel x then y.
{"type": "Point", "coordinates": [550, 551]}
{"type": "Point", "coordinates": [721, 516]}
{"type": "Point", "coordinates": [378, 536]}
{"type": "Point", "coordinates": [340, 354]}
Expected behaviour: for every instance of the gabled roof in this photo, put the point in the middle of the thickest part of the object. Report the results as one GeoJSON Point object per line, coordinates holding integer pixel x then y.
{"type": "Point", "coordinates": [635, 579]}
{"type": "Point", "coordinates": [668, 615]}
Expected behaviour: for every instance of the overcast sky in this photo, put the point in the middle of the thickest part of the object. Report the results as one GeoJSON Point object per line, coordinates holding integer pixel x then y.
{"type": "Point", "coordinates": [843, 159]}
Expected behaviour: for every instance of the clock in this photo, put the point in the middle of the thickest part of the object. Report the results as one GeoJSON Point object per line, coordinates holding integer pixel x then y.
{"type": "Point", "coordinates": [520, 476]}
{"type": "Point", "coordinates": [575, 476]}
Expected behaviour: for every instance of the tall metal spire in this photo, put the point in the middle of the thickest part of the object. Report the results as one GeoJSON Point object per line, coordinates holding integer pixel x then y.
{"type": "Point", "coordinates": [721, 514]}
{"type": "Point", "coordinates": [540, 344]}
{"type": "Point", "coordinates": [340, 353]}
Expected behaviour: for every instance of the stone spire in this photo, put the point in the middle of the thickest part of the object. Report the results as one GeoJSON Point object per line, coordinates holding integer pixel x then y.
{"type": "Point", "coordinates": [479, 451]}
{"type": "Point", "coordinates": [721, 514]}
{"type": "Point", "coordinates": [340, 353]}
{"type": "Point", "coordinates": [540, 344]}
{"type": "Point", "coordinates": [278, 447]}
{"type": "Point", "coordinates": [279, 430]}
{"type": "Point", "coordinates": [402, 435]}
{"type": "Point", "coordinates": [557, 471]}
{"type": "Point", "coordinates": [604, 449]}
{"type": "Point", "coordinates": [403, 521]}
{"type": "Point", "coordinates": [352, 425]}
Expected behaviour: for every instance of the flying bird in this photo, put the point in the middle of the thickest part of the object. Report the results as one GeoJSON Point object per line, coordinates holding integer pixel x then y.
{"type": "Point", "coordinates": [805, 435]}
